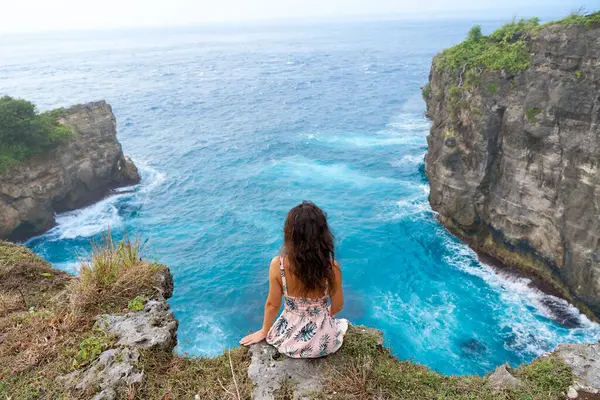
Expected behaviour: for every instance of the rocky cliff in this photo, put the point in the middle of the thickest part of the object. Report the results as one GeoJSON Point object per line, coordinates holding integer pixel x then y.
{"type": "Point", "coordinates": [72, 175]}
{"type": "Point", "coordinates": [514, 149]}
{"type": "Point", "coordinates": [109, 334]}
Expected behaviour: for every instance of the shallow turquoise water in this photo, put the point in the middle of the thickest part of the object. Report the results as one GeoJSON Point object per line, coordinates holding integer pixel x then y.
{"type": "Point", "coordinates": [233, 126]}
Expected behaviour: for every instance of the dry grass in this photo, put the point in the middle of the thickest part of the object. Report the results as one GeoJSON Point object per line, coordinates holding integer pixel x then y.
{"type": "Point", "coordinates": [362, 370]}
{"type": "Point", "coordinates": [112, 275]}
{"type": "Point", "coordinates": [46, 320]}
{"type": "Point", "coordinates": [174, 377]}
{"type": "Point", "coordinates": [46, 315]}
{"type": "Point", "coordinates": [38, 334]}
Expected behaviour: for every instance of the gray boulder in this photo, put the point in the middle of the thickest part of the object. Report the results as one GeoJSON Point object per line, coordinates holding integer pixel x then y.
{"type": "Point", "coordinates": [153, 327]}
{"type": "Point", "coordinates": [268, 368]}
{"type": "Point", "coordinates": [584, 361]}
{"type": "Point", "coordinates": [114, 369]}
{"type": "Point", "coordinates": [502, 379]}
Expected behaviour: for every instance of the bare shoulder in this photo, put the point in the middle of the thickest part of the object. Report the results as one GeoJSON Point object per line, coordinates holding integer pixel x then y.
{"type": "Point", "coordinates": [337, 265]}
{"type": "Point", "coordinates": [274, 266]}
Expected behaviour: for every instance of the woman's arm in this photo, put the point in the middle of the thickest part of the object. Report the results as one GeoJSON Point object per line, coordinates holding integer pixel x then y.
{"type": "Point", "coordinates": [336, 294]}
{"type": "Point", "coordinates": [272, 305]}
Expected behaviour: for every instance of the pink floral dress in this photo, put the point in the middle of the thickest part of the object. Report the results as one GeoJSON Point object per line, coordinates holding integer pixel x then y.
{"type": "Point", "coordinates": [305, 329]}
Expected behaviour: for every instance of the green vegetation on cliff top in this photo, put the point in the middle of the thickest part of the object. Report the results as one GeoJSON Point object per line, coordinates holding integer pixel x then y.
{"type": "Point", "coordinates": [507, 48]}
{"type": "Point", "coordinates": [24, 131]}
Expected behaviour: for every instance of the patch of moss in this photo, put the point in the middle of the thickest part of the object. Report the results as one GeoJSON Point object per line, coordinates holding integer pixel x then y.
{"type": "Point", "coordinates": [448, 133]}
{"type": "Point", "coordinates": [579, 75]}
{"type": "Point", "coordinates": [492, 87]}
{"type": "Point", "coordinates": [91, 348]}
{"type": "Point", "coordinates": [531, 114]}
{"type": "Point", "coordinates": [137, 304]}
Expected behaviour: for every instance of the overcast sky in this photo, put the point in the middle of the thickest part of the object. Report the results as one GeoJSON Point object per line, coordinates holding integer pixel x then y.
{"type": "Point", "coordinates": [51, 15]}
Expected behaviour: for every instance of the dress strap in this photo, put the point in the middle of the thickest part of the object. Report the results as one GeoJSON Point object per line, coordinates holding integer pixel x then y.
{"type": "Point", "coordinates": [282, 271]}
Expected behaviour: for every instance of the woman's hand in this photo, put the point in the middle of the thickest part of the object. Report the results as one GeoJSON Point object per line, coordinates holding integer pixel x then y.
{"type": "Point", "coordinates": [255, 337]}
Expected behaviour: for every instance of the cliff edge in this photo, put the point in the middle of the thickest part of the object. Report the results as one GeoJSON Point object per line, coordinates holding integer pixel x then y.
{"type": "Point", "coordinates": [72, 175]}
{"type": "Point", "coordinates": [514, 149]}
{"type": "Point", "coordinates": [109, 334]}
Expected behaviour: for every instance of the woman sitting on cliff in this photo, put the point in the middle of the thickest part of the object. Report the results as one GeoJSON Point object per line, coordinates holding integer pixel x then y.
{"type": "Point", "coordinates": [307, 277]}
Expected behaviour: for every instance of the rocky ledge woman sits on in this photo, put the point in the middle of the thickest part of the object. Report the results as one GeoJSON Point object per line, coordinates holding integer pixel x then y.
{"type": "Point", "coordinates": [308, 277]}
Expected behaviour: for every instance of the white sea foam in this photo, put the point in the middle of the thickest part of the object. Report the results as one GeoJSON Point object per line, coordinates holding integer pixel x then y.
{"type": "Point", "coordinates": [98, 217]}
{"type": "Point", "coordinates": [409, 159]}
{"type": "Point", "coordinates": [209, 336]}
{"type": "Point", "coordinates": [87, 221]}
{"type": "Point", "coordinates": [305, 168]}
{"type": "Point", "coordinates": [373, 140]}
{"type": "Point", "coordinates": [522, 305]}
{"type": "Point", "coordinates": [428, 322]}
{"type": "Point", "coordinates": [404, 129]}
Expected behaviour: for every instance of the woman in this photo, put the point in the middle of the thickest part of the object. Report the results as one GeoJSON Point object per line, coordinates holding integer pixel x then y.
{"type": "Point", "coordinates": [307, 276]}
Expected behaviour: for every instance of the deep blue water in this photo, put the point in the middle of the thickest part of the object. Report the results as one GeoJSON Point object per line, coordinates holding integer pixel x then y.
{"type": "Point", "coordinates": [231, 127]}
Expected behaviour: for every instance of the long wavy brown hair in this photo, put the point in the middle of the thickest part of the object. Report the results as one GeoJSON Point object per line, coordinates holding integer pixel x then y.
{"type": "Point", "coordinates": [308, 246]}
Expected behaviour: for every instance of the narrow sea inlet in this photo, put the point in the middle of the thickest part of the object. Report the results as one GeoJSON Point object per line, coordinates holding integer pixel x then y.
{"type": "Point", "coordinates": [234, 126]}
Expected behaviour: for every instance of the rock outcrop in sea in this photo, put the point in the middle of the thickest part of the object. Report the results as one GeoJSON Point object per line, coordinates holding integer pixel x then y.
{"type": "Point", "coordinates": [514, 151]}
{"type": "Point", "coordinates": [70, 176]}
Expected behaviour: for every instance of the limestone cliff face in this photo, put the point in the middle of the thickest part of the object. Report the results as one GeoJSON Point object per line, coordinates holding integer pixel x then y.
{"type": "Point", "coordinates": [514, 160]}
{"type": "Point", "coordinates": [72, 175]}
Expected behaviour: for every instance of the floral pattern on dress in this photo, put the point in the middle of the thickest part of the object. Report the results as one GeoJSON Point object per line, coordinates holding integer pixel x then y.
{"type": "Point", "coordinates": [305, 329]}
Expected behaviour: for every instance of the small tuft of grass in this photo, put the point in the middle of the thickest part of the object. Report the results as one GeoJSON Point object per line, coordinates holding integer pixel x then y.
{"type": "Point", "coordinates": [531, 114]}
{"type": "Point", "coordinates": [285, 391]}
{"type": "Point", "coordinates": [113, 274]}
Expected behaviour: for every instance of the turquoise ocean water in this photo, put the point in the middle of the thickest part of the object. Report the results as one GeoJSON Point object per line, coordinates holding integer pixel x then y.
{"type": "Point", "coordinates": [231, 127]}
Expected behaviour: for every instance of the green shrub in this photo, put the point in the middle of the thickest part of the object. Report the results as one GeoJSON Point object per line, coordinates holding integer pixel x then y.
{"type": "Point", "coordinates": [426, 91]}
{"type": "Point", "coordinates": [25, 132]}
{"type": "Point", "coordinates": [475, 33]}
{"type": "Point", "coordinates": [506, 48]}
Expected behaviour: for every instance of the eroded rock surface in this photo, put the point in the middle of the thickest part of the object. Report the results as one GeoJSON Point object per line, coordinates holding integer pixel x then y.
{"type": "Point", "coordinates": [115, 368]}
{"type": "Point", "coordinates": [513, 160]}
{"type": "Point", "coordinates": [502, 379]}
{"type": "Point", "coordinates": [584, 361]}
{"type": "Point", "coordinates": [153, 327]}
{"type": "Point", "coordinates": [268, 369]}
{"type": "Point", "coordinates": [73, 175]}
